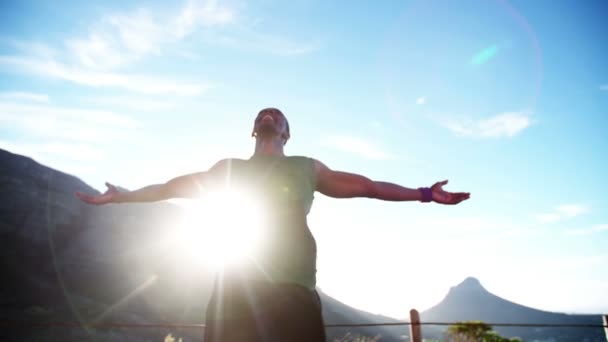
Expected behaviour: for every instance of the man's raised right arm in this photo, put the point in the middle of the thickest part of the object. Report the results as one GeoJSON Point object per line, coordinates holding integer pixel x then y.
{"type": "Point", "coordinates": [186, 186]}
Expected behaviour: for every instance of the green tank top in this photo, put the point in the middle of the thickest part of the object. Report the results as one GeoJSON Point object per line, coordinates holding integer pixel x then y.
{"type": "Point", "coordinates": [284, 187]}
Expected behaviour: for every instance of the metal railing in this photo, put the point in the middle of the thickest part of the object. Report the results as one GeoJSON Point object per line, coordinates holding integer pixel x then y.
{"type": "Point", "coordinates": [415, 325]}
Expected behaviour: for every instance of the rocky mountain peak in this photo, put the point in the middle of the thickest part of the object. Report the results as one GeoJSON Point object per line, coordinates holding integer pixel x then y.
{"type": "Point", "coordinates": [470, 284]}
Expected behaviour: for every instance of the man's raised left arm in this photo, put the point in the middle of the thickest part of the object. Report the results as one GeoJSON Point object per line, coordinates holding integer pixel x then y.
{"type": "Point", "coordinates": [340, 184]}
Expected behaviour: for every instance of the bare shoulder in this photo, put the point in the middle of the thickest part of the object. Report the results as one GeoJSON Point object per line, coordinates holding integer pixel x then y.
{"type": "Point", "coordinates": [319, 166]}
{"type": "Point", "coordinates": [223, 167]}
{"type": "Point", "coordinates": [306, 160]}
{"type": "Point", "coordinates": [217, 169]}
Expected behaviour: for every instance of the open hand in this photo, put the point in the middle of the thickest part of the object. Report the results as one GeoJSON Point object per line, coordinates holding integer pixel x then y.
{"type": "Point", "coordinates": [444, 197]}
{"type": "Point", "coordinates": [107, 197]}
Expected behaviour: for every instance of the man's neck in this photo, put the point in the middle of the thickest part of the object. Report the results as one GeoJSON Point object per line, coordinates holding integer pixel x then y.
{"type": "Point", "coordinates": [268, 147]}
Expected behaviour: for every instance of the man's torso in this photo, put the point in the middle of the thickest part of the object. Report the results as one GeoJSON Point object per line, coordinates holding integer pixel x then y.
{"type": "Point", "coordinates": [283, 189]}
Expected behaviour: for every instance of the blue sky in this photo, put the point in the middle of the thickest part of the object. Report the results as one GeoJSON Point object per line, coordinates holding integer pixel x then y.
{"type": "Point", "coordinates": [507, 100]}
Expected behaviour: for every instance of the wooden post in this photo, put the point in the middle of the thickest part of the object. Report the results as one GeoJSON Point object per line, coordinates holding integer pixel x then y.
{"type": "Point", "coordinates": [415, 330]}
{"type": "Point", "coordinates": [606, 326]}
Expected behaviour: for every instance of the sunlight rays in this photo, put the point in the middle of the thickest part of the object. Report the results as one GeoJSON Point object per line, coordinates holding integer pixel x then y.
{"type": "Point", "coordinates": [147, 283]}
{"type": "Point", "coordinates": [221, 229]}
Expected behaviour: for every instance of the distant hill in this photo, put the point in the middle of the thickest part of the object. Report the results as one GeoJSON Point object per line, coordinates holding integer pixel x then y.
{"type": "Point", "coordinates": [469, 300]}
{"type": "Point", "coordinates": [62, 260]}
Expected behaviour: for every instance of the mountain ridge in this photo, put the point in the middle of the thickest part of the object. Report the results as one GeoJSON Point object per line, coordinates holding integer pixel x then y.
{"type": "Point", "coordinates": [56, 252]}
{"type": "Point", "coordinates": [470, 301]}
{"type": "Point", "coordinates": [63, 260]}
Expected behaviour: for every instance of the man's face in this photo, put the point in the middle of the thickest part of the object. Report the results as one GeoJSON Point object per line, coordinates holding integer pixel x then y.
{"type": "Point", "coordinates": [270, 121]}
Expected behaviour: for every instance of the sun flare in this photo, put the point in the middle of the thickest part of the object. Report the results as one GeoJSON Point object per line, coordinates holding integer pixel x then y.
{"type": "Point", "coordinates": [221, 229]}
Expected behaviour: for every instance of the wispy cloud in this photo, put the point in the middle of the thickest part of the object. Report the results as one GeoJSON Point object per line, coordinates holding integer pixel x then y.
{"type": "Point", "coordinates": [100, 56]}
{"type": "Point", "coordinates": [563, 262]}
{"type": "Point", "coordinates": [65, 138]}
{"type": "Point", "coordinates": [80, 152]}
{"type": "Point", "coordinates": [250, 39]}
{"type": "Point", "coordinates": [94, 78]}
{"type": "Point", "coordinates": [225, 26]}
{"type": "Point", "coordinates": [75, 159]}
{"type": "Point", "coordinates": [119, 39]}
{"type": "Point", "coordinates": [571, 210]}
{"type": "Point", "coordinates": [503, 125]}
{"type": "Point", "coordinates": [421, 100]}
{"type": "Point", "coordinates": [24, 96]}
{"type": "Point", "coordinates": [563, 212]}
{"type": "Point", "coordinates": [470, 223]}
{"type": "Point", "coordinates": [53, 123]}
{"type": "Point", "coordinates": [202, 13]}
{"type": "Point", "coordinates": [132, 103]}
{"type": "Point", "coordinates": [479, 226]}
{"type": "Point", "coordinates": [360, 147]}
{"type": "Point", "coordinates": [598, 228]}
{"type": "Point", "coordinates": [113, 42]}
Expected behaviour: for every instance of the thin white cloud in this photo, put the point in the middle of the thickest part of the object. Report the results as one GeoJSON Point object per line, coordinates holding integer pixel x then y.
{"type": "Point", "coordinates": [72, 159]}
{"type": "Point", "coordinates": [188, 54]}
{"type": "Point", "coordinates": [571, 210]}
{"type": "Point", "coordinates": [64, 138]}
{"type": "Point", "coordinates": [470, 223]}
{"type": "Point", "coordinates": [114, 41]}
{"type": "Point", "coordinates": [202, 13]}
{"type": "Point", "coordinates": [360, 147]}
{"type": "Point", "coordinates": [507, 124]}
{"type": "Point", "coordinates": [119, 40]}
{"type": "Point", "coordinates": [503, 125]}
{"type": "Point", "coordinates": [572, 261]}
{"type": "Point", "coordinates": [224, 26]}
{"type": "Point", "coordinates": [132, 103]}
{"type": "Point", "coordinates": [93, 78]}
{"type": "Point", "coordinates": [15, 111]}
{"type": "Point", "coordinates": [598, 228]}
{"type": "Point", "coordinates": [478, 227]}
{"type": "Point", "coordinates": [53, 123]}
{"type": "Point", "coordinates": [563, 212]}
{"type": "Point", "coordinates": [30, 48]}
{"type": "Point", "coordinates": [80, 152]}
{"type": "Point", "coordinates": [421, 100]}
{"type": "Point", "coordinates": [549, 218]}
{"type": "Point", "coordinates": [244, 38]}
{"type": "Point", "coordinates": [24, 96]}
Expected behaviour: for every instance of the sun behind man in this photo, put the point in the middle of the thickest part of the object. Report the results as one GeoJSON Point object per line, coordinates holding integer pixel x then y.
{"type": "Point", "coordinates": [272, 297]}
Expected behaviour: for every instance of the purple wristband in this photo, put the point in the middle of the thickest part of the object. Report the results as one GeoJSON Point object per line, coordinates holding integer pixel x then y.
{"type": "Point", "coordinates": [427, 194]}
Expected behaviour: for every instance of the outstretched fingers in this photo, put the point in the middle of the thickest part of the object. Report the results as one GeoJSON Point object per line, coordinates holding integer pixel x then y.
{"type": "Point", "coordinates": [459, 197]}
{"type": "Point", "coordinates": [440, 184]}
{"type": "Point", "coordinates": [97, 199]}
{"type": "Point", "coordinates": [84, 197]}
{"type": "Point", "coordinates": [110, 186]}
{"type": "Point", "coordinates": [104, 198]}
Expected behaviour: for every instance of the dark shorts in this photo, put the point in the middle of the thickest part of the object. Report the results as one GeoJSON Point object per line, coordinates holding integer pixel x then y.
{"type": "Point", "coordinates": [262, 312]}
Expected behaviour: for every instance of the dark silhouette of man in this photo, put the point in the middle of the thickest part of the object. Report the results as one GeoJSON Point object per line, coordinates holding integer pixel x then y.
{"type": "Point", "coordinates": [271, 296]}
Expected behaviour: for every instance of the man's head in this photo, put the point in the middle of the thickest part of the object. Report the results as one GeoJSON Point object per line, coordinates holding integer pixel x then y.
{"type": "Point", "coordinates": [271, 123]}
